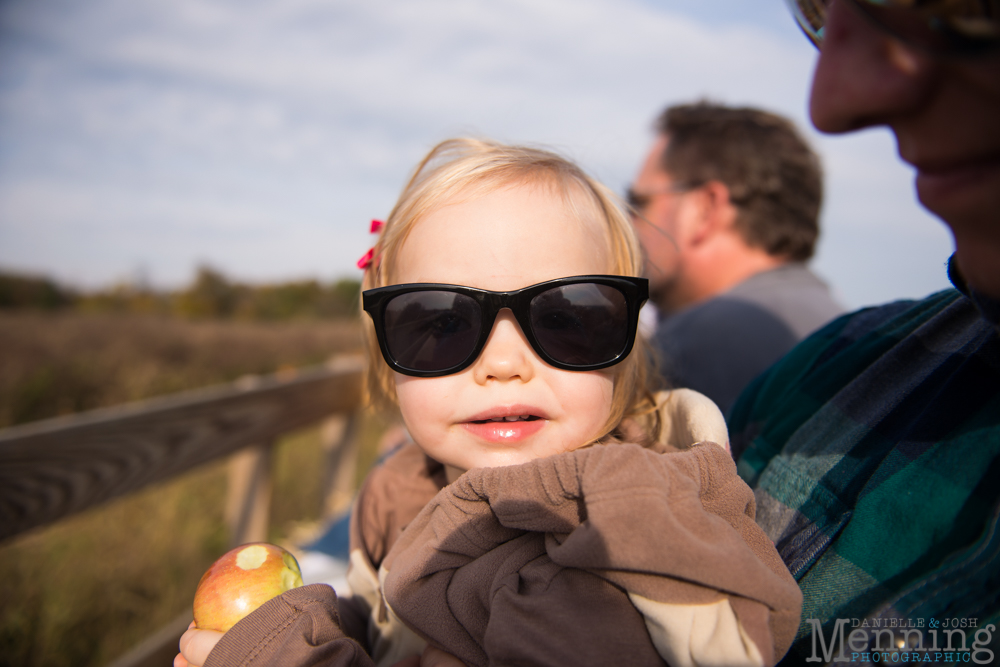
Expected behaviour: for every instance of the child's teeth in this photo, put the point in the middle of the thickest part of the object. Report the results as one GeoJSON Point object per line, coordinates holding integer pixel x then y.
{"type": "Point", "coordinates": [511, 419]}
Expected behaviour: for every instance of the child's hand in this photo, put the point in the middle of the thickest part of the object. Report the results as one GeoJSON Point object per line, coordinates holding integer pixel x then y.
{"type": "Point", "coordinates": [195, 646]}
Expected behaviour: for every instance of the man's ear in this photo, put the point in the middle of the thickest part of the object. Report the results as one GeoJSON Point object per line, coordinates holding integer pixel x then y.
{"type": "Point", "coordinates": [716, 213]}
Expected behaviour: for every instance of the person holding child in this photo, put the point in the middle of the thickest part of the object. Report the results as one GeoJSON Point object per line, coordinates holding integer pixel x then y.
{"type": "Point", "coordinates": [551, 509]}
{"type": "Point", "coordinates": [874, 446]}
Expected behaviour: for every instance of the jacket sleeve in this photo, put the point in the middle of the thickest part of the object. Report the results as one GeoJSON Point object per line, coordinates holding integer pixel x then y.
{"type": "Point", "coordinates": [674, 531]}
{"type": "Point", "coordinates": [299, 627]}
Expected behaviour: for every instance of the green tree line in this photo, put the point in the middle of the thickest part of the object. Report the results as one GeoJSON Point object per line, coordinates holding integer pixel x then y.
{"type": "Point", "coordinates": [211, 295]}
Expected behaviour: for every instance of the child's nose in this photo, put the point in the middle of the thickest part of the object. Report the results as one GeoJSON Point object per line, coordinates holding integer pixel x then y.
{"type": "Point", "coordinates": [507, 354]}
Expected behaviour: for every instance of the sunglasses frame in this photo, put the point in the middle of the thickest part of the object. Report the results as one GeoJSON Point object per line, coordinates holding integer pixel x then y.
{"type": "Point", "coordinates": [811, 19]}
{"type": "Point", "coordinates": [637, 201]}
{"type": "Point", "coordinates": [635, 290]}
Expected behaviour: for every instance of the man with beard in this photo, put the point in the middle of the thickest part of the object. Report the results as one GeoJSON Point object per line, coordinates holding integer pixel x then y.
{"type": "Point", "coordinates": [726, 207]}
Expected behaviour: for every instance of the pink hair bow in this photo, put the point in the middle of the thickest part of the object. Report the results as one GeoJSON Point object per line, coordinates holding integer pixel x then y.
{"type": "Point", "coordinates": [369, 256]}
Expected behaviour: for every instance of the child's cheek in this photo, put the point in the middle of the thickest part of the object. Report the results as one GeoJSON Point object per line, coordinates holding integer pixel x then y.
{"type": "Point", "coordinates": [586, 398]}
{"type": "Point", "coordinates": [425, 404]}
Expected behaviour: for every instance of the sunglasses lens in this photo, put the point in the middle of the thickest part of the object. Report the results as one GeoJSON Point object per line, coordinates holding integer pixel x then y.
{"type": "Point", "coordinates": [811, 17]}
{"type": "Point", "coordinates": [581, 324]}
{"type": "Point", "coordinates": [939, 26]}
{"type": "Point", "coordinates": [636, 202]}
{"type": "Point", "coordinates": [431, 331]}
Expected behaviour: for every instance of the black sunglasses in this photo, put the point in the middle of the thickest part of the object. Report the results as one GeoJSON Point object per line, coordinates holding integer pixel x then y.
{"type": "Point", "coordinates": [942, 27]}
{"type": "Point", "coordinates": [581, 323]}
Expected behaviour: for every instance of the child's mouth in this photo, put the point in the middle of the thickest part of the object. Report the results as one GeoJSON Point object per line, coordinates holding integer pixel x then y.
{"type": "Point", "coordinates": [507, 429]}
{"type": "Point", "coordinates": [514, 418]}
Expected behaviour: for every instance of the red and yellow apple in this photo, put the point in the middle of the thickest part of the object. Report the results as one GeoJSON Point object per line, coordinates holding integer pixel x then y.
{"type": "Point", "coordinates": [242, 580]}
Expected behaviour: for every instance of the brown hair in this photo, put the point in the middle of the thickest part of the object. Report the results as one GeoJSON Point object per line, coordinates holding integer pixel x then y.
{"type": "Point", "coordinates": [470, 167]}
{"type": "Point", "coordinates": [775, 180]}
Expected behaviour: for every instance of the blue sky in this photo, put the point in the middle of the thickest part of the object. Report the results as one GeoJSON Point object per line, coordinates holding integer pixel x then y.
{"type": "Point", "coordinates": [139, 140]}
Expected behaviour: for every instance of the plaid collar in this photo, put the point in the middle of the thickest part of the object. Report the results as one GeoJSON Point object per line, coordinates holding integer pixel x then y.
{"type": "Point", "coordinates": [988, 307]}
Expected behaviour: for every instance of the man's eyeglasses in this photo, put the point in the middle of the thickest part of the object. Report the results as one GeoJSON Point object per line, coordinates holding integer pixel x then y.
{"type": "Point", "coordinates": [580, 323]}
{"type": "Point", "coordinates": [637, 201]}
{"type": "Point", "coordinates": [943, 27]}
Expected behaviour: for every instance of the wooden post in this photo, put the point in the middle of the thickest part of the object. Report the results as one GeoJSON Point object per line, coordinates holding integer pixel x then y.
{"type": "Point", "coordinates": [248, 499]}
{"type": "Point", "coordinates": [53, 469]}
{"type": "Point", "coordinates": [339, 436]}
{"type": "Point", "coordinates": [57, 467]}
{"type": "Point", "coordinates": [157, 650]}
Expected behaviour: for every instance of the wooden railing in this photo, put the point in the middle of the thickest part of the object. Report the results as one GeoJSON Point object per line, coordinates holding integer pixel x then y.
{"type": "Point", "coordinates": [52, 469]}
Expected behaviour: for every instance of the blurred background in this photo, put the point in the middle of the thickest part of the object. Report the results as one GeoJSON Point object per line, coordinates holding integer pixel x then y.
{"type": "Point", "coordinates": [141, 140]}
{"type": "Point", "coordinates": [186, 185]}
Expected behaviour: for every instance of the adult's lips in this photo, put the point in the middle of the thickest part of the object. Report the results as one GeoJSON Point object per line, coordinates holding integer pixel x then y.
{"type": "Point", "coordinates": [940, 180]}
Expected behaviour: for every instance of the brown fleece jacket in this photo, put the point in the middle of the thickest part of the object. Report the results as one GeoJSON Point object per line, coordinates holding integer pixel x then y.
{"type": "Point", "coordinates": [300, 627]}
{"type": "Point", "coordinates": [591, 557]}
{"type": "Point", "coordinates": [548, 562]}
{"type": "Point", "coordinates": [612, 554]}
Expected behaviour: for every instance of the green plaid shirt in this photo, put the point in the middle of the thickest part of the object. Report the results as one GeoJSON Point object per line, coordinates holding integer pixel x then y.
{"type": "Point", "coordinates": [873, 448]}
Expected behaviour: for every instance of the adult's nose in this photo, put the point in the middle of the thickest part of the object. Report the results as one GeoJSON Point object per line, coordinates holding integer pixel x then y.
{"type": "Point", "coordinates": [865, 76]}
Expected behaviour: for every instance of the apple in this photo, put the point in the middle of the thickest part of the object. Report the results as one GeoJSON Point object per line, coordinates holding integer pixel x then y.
{"type": "Point", "coordinates": [242, 580]}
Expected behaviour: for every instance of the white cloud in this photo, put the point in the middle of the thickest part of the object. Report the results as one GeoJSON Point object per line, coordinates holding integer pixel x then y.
{"type": "Point", "coordinates": [262, 136]}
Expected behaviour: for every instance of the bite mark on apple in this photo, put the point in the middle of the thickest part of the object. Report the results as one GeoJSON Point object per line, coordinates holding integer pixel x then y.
{"type": "Point", "coordinates": [251, 558]}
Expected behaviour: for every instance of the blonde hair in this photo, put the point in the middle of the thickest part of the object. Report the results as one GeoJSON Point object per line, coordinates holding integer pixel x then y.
{"type": "Point", "coordinates": [470, 167]}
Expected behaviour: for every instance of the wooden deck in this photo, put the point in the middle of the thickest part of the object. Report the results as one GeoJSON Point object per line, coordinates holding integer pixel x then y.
{"type": "Point", "coordinates": [52, 469]}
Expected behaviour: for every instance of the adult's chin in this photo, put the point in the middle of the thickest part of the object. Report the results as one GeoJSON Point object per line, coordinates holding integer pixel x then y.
{"type": "Point", "coordinates": [979, 264]}
{"type": "Point", "coordinates": [966, 198]}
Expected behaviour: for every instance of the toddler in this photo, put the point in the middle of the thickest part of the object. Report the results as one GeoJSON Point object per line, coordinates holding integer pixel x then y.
{"type": "Point", "coordinates": [551, 510]}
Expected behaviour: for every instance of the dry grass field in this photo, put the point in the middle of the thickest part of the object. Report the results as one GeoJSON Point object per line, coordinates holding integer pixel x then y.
{"type": "Point", "coordinates": [87, 589]}
{"type": "Point", "coordinates": [57, 363]}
